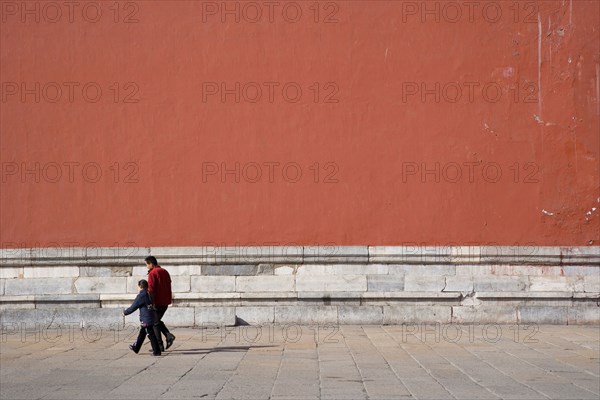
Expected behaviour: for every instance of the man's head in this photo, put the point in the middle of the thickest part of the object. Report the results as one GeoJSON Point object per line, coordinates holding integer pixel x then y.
{"type": "Point", "coordinates": [151, 262]}
{"type": "Point", "coordinates": [143, 284]}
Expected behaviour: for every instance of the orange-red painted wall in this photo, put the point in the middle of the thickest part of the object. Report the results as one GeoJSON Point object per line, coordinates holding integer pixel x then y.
{"type": "Point", "coordinates": [369, 119]}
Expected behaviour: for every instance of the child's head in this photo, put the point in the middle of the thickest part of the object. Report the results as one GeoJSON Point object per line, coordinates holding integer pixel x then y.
{"type": "Point", "coordinates": [143, 284]}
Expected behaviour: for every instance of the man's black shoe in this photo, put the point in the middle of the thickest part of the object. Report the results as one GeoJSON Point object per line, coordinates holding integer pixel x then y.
{"type": "Point", "coordinates": [132, 348]}
{"type": "Point", "coordinates": [170, 340]}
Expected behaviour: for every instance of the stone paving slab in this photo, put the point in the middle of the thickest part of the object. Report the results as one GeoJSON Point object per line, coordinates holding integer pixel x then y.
{"type": "Point", "coordinates": [298, 362]}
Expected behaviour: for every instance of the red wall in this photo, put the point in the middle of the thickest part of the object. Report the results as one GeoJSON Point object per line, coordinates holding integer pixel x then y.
{"type": "Point", "coordinates": [370, 122]}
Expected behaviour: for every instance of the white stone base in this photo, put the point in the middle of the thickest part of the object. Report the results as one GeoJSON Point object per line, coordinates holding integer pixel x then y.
{"type": "Point", "coordinates": [308, 285]}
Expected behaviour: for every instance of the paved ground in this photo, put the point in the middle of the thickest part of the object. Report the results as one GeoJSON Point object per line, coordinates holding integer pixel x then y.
{"type": "Point", "coordinates": [303, 362]}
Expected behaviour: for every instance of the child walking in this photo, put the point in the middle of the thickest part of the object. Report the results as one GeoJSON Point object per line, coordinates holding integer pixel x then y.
{"type": "Point", "coordinates": [143, 302]}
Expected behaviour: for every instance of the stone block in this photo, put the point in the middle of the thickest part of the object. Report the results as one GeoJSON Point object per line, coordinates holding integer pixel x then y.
{"type": "Point", "coordinates": [2, 286]}
{"type": "Point", "coordinates": [100, 271]}
{"type": "Point", "coordinates": [549, 284]}
{"type": "Point", "coordinates": [94, 321]}
{"type": "Point", "coordinates": [186, 270]}
{"type": "Point", "coordinates": [542, 315]}
{"type": "Point", "coordinates": [206, 295]}
{"type": "Point", "coordinates": [385, 283]}
{"type": "Point", "coordinates": [180, 284]}
{"type": "Point", "coordinates": [581, 255]}
{"type": "Point", "coordinates": [285, 269]}
{"type": "Point", "coordinates": [129, 255]}
{"type": "Point", "coordinates": [16, 303]}
{"type": "Point", "coordinates": [11, 272]}
{"type": "Point", "coordinates": [38, 286]}
{"type": "Point", "coordinates": [179, 317]}
{"type": "Point", "coordinates": [342, 269]}
{"type": "Point", "coordinates": [265, 269]}
{"type": "Point", "coordinates": [101, 285]}
{"type": "Point", "coordinates": [306, 315]}
{"type": "Point", "coordinates": [117, 300]}
{"type": "Point", "coordinates": [581, 270]}
{"type": "Point", "coordinates": [266, 295]}
{"type": "Point", "coordinates": [415, 283]}
{"type": "Point", "coordinates": [57, 256]}
{"type": "Point", "coordinates": [331, 283]}
{"type": "Point", "coordinates": [141, 271]}
{"type": "Point", "coordinates": [410, 254]}
{"type": "Point", "coordinates": [26, 318]}
{"type": "Point", "coordinates": [60, 301]}
{"type": "Point", "coordinates": [329, 298]}
{"type": "Point", "coordinates": [584, 315]}
{"type": "Point", "coordinates": [264, 283]}
{"type": "Point", "coordinates": [14, 255]}
{"type": "Point", "coordinates": [523, 270]}
{"type": "Point", "coordinates": [255, 315]}
{"type": "Point", "coordinates": [360, 315]}
{"type": "Point", "coordinates": [527, 255]}
{"type": "Point", "coordinates": [576, 283]}
{"type": "Point", "coordinates": [403, 314]}
{"type": "Point", "coordinates": [213, 284]}
{"type": "Point", "coordinates": [214, 316]}
{"type": "Point", "coordinates": [422, 270]}
{"type": "Point", "coordinates": [459, 284]}
{"type": "Point", "coordinates": [490, 283]}
{"type": "Point", "coordinates": [103, 317]}
{"type": "Point", "coordinates": [591, 283]}
{"type": "Point", "coordinates": [132, 283]}
{"type": "Point", "coordinates": [50, 272]}
{"type": "Point", "coordinates": [242, 254]}
{"type": "Point", "coordinates": [412, 296]}
{"type": "Point", "coordinates": [166, 252]}
{"type": "Point", "coordinates": [465, 254]}
{"type": "Point", "coordinates": [499, 314]}
{"type": "Point", "coordinates": [336, 254]}
{"type": "Point", "coordinates": [523, 295]}
{"type": "Point", "coordinates": [230, 269]}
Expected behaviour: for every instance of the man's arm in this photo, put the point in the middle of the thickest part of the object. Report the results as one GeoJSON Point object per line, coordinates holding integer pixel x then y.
{"type": "Point", "coordinates": [152, 286]}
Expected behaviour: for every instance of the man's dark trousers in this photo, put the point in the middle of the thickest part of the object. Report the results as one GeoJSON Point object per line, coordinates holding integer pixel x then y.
{"type": "Point", "coordinates": [159, 326]}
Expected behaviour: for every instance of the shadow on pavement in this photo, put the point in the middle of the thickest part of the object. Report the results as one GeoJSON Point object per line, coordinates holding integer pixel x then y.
{"type": "Point", "coordinates": [216, 349]}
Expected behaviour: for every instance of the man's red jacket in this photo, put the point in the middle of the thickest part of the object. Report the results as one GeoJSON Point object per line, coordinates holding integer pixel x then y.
{"type": "Point", "coordinates": [159, 286]}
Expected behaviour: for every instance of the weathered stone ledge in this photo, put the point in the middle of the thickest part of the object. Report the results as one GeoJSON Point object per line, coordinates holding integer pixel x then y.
{"type": "Point", "coordinates": [295, 254]}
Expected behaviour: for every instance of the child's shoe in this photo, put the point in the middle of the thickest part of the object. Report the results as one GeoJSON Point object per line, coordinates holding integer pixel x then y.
{"type": "Point", "coordinates": [132, 348]}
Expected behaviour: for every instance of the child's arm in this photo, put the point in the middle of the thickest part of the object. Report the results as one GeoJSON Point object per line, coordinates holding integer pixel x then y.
{"type": "Point", "coordinates": [137, 303]}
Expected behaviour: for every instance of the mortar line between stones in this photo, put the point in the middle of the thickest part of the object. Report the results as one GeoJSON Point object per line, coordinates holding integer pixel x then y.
{"type": "Point", "coordinates": [548, 372]}
{"type": "Point", "coordinates": [388, 364]}
{"type": "Point", "coordinates": [564, 362]}
{"type": "Point", "coordinates": [505, 374]}
{"type": "Point", "coordinates": [134, 375]}
{"type": "Point", "coordinates": [236, 367]}
{"type": "Point", "coordinates": [597, 339]}
{"type": "Point", "coordinates": [462, 371]}
{"type": "Point", "coordinates": [186, 372]}
{"type": "Point", "coordinates": [319, 367]}
{"type": "Point", "coordinates": [362, 378]}
{"type": "Point", "coordinates": [278, 371]}
{"type": "Point", "coordinates": [420, 365]}
{"type": "Point", "coordinates": [554, 359]}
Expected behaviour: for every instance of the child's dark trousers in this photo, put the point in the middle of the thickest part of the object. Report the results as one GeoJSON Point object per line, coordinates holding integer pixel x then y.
{"type": "Point", "coordinates": [146, 330]}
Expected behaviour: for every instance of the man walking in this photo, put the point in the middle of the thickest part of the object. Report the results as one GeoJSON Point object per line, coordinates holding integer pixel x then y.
{"type": "Point", "coordinates": [159, 287]}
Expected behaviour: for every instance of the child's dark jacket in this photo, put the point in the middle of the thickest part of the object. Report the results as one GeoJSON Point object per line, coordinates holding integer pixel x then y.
{"type": "Point", "coordinates": [142, 301]}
